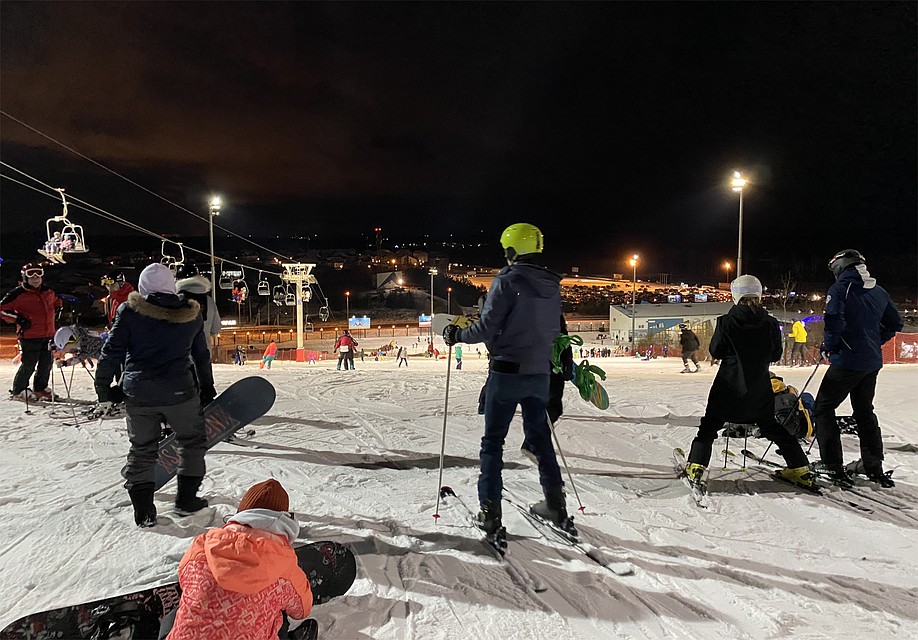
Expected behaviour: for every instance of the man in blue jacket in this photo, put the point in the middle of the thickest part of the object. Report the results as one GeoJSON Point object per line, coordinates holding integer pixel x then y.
{"type": "Point", "coordinates": [159, 337]}
{"type": "Point", "coordinates": [859, 318]}
{"type": "Point", "coordinates": [519, 321]}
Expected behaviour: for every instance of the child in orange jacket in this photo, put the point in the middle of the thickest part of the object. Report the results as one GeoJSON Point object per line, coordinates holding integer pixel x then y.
{"type": "Point", "coordinates": [268, 356]}
{"type": "Point", "coordinates": [236, 580]}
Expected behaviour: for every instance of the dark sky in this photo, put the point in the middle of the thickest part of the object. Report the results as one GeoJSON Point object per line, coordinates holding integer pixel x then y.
{"type": "Point", "coordinates": [614, 127]}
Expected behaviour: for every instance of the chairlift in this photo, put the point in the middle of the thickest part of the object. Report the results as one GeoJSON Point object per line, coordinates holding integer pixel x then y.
{"type": "Point", "coordinates": [324, 313]}
{"type": "Point", "coordinates": [307, 294]}
{"type": "Point", "coordinates": [226, 279]}
{"type": "Point", "coordinates": [279, 294]}
{"type": "Point", "coordinates": [290, 298]}
{"type": "Point", "coordinates": [264, 287]}
{"type": "Point", "coordinates": [172, 261]}
{"type": "Point", "coordinates": [63, 235]}
{"type": "Point", "coordinates": [240, 291]}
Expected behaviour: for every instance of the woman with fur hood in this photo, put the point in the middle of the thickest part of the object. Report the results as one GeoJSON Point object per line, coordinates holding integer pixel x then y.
{"type": "Point", "coordinates": [159, 339]}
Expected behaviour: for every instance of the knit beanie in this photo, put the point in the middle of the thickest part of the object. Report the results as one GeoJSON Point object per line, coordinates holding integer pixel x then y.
{"type": "Point", "coordinates": [156, 278]}
{"type": "Point", "coordinates": [265, 495]}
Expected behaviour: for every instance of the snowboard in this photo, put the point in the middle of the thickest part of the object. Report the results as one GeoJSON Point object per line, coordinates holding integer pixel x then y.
{"type": "Point", "coordinates": [331, 568]}
{"type": "Point", "coordinates": [241, 403]}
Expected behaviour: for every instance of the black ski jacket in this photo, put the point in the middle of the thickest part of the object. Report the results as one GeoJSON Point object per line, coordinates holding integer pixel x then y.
{"type": "Point", "coordinates": [161, 341]}
{"type": "Point", "coordinates": [689, 341]}
{"type": "Point", "coordinates": [746, 342]}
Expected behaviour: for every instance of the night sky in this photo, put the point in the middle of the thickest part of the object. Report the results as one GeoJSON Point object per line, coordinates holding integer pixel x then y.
{"type": "Point", "coordinates": [614, 127]}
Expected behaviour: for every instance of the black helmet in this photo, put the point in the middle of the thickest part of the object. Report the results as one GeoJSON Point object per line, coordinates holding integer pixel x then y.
{"type": "Point", "coordinates": [683, 326]}
{"type": "Point", "coordinates": [187, 271]}
{"type": "Point", "coordinates": [32, 269]}
{"type": "Point", "coordinates": [844, 259]}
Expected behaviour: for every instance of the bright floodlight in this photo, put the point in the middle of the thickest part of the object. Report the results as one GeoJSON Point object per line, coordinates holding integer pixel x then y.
{"type": "Point", "coordinates": [215, 201]}
{"type": "Point", "coordinates": [738, 182]}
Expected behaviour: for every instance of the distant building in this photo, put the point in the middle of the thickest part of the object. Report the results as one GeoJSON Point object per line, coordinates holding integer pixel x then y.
{"type": "Point", "coordinates": [654, 318]}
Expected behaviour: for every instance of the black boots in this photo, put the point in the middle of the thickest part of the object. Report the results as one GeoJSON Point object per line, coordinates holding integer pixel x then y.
{"type": "Point", "coordinates": [186, 500]}
{"type": "Point", "coordinates": [489, 517]}
{"type": "Point", "coordinates": [142, 500]}
{"type": "Point", "coordinates": [553, 508]}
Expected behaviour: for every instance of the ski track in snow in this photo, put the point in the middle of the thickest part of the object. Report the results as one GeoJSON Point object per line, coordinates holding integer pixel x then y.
{"type": "Point", "coordinates": [358, 451]}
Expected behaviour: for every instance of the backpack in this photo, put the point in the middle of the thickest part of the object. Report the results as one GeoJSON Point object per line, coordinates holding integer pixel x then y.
{"type": "Point", "coordinates": [789, 409]}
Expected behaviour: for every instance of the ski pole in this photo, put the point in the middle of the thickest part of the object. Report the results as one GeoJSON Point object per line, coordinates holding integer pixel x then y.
{"type": "Point", "coordinates": [796, 402]}
{"type": "Point", "coordinates": [726, 448]}
{"type": "Point", "coordinates": [449, 358]}
{"type": "Point", "coordinates": [554, 434]}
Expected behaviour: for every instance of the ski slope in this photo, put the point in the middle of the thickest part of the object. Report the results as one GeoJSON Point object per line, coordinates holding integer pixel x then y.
{"type": "Point", "coordinates": [358, 452]}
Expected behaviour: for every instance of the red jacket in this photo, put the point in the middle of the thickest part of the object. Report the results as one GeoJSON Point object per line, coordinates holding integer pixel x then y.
{"type": "Point", "coordinates": [345, 340]}
{"type": "Point", "coordinates": [235, 583]}
{"type": "Point", "coordinates": [38, 305]}
{"type": "Point", "coordinates": [115, 298]}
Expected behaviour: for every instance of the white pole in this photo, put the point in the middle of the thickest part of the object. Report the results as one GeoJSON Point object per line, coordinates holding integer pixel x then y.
{"type": "Point", "coordinates": [633, 311]}
{"type": "Point", "coordinates": [739, 249]}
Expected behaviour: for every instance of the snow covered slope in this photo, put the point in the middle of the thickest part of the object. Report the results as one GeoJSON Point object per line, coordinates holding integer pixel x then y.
{"type": "Point", "coordinates": [358, 452]}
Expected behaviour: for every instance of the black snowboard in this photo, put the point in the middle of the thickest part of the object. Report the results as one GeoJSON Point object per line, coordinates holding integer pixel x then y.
{"type": "Point", "coordinates": [241, 403]}
{"type": "Point", "coordinates": [330, 567]}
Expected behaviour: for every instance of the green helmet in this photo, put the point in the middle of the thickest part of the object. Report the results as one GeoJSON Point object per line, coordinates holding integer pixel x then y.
{"type": "Point", "coordinates": [521, 239]}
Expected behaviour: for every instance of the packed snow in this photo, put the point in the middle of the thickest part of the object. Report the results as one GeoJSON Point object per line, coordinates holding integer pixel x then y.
{"type": "Point", "coordinates": [358, 451]}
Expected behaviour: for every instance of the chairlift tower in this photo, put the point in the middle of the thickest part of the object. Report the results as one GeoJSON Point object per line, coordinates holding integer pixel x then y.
{"type": "Point", "coordinates": [299, 273]}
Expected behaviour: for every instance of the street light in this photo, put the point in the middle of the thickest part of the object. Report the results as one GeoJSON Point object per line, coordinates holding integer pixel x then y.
{"type": "Point", "coordinates": [738, 183]}
{"type": "Point", "coordinates": [728, 266]}
{"type": "Point", "coordinates": [633, 262]}
{"type": "Point", "coordinates": [214, 211]}
{"type": "Point", "coordinates": [449, 294]}
{"type": "Point", "coordinates": [433, 272]}
{"type": "Point", "coordinates": [347, 306]}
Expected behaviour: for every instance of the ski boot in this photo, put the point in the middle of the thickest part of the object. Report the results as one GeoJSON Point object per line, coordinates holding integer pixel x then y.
{"type": "Point", "coordinates": [553, 509]}
{"type": "Point", "coordinates": [836, 474]}
{"type": "Point", "coordinates": [186, 500]}
{"type": "Point", "coordinates": [687, 369]}
{"type": "Point", "coordinates": [695, 473]}
{"type": "Point", "coordinates": [800, 476]}
{"type": "Point", "coordinates": [47, 396]}
{"type": "Point", "coordinates": [142, 501]}
{"type": "Point", "coordinates": [489, 518]}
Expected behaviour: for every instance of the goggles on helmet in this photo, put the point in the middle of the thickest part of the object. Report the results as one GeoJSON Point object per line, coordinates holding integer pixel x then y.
{"type": "Point", "coordinates": [34, 272]}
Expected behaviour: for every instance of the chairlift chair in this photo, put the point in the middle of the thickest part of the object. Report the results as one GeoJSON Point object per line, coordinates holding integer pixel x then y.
{"type": "Point", "coordinates": [264, 287]}
{"type": "Point", "coordinates": [226, 280]}
{"type": "Point", "coordinates": [279, 295]}
{"type": "Point", "coordinates": [172, 261]}
{"type": "Point", "coordinates": [324, 313]}
{"type": "Point", "coordinates": [63, 235]}
{"type": "Point", "coordinates": [290, 298]}
{"type": "Point", "coordinates": [240, 291]}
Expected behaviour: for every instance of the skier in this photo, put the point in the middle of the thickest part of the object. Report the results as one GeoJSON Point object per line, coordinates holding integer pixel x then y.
{"type": "Point", "coordinates": [167, 379]}
{"type": "Point", "coordinates": [267, 358]}
{"type": "Point", "coordinates": [519, 323]}
{"type": "Point", "coordinates": [747, 339]}
{"type": "Point", "coordinates": [239, 356]}
{"type": "Point", "coordinates": [690, 344]}
{"type": "Point", "coordinates": [238, 580]}
{"type": "Point", "coordinates": [859, 318]}
{"type": "Point", "coordinates": [32, 306]}
{"type": "Point", "coordinates": [191, 285]}
{"type": "Point", "coordinates": [118, 291]}
{"type": "Point", "coordinates": [345, 346]}
{"type": "Point", "coordinates": [402, 356]}
{"type": "Point", "coordinates": [798, 333]}
{"type": "Point", "coordinates": [458, 353]}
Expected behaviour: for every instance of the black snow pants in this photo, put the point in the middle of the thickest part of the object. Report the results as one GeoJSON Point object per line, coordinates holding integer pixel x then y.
{"type": "Point", "coordinates": [769, 427]}
{"type": "Point", "coordinates": [837, 384]}
{"type": "Point", "coordinates": [35, 351]}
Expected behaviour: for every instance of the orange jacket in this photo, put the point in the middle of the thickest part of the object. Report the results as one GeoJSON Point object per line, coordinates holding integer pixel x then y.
{"type": "Point", "coordinates": [235, 582]}
{"type": "Point", "coordinates": [271, 350]}
{"type": "Point", "coordinates": [38, 305]}
{"type": "Point", "coordinates": [115, 298]}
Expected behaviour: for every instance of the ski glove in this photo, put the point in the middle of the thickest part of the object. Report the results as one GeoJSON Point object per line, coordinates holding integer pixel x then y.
{"type": "Point", "coordinates": [207, 395]}
{"type": "Point", "coordinates": [451, 333]}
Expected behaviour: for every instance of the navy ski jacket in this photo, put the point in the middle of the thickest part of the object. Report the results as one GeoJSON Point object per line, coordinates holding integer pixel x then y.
{"type": "Point", "coordinates": [859, 317]}
{"type": "Point", "coordinates": [521, 317]}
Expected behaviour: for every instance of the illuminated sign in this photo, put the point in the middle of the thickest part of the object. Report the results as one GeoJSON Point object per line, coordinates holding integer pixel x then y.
{"type": "Point", "coordinates": [424, 321]}
{"type": "Point", "coordinates": [358, 323]}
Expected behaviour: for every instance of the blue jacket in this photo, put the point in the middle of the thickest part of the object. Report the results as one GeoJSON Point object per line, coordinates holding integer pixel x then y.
{"type": "Point", "coordinates": [161, 341]}
{"type": "Point", "coordinates": [859, 318]}
{"type": "Point", "coordinates": [521, 317]}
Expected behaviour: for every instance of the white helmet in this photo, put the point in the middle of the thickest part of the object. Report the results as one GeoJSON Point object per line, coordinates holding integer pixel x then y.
{"type": "Point", "coordinates": [745, 287]}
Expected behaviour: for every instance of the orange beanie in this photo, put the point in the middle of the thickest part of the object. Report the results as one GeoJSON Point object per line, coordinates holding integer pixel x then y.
{"type": "Point", "coordinates": [265, 495]}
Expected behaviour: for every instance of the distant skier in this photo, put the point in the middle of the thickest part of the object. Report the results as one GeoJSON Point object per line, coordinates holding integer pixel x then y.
{"type": "Point", "coordinates": [191, 285]}
{"type": "Point", "coordinates": [118, 291]}
{"type": "Point", "coordinates": [239, 356]}
{"type": "Point", "coordinates": [32, 306]}
{"type": "Point", "coordinates": [519, 323]}
{"type": "Point", "coordinates": [458, 354]}
{"type": "Point", "coordinates": [238, 580]}
{"type": "Point", "coordinates": [402, 356]}
{"type": "Point", "coordinates": [798, 353]}
{"type": "Point", "coordinates": [690, 344]}
{"type": "Point", "coordinates": [746, 339]}
{"type": "Point", "coordinates": [345, 346]}
{"type": "Point", "coordinates": [267, 358]}
{"type": "Point", "coordinates": [167, 379]}
{"type": "Point", "coordinates": [859, 318]}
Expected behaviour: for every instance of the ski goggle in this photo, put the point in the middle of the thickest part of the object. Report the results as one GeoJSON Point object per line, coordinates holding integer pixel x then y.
{"type": "Point", "coordinates": [36, 272]}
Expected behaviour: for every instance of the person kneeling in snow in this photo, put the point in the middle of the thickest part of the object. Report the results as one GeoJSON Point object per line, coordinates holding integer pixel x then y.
{"type": "Point", "coordinates": [237, 580]}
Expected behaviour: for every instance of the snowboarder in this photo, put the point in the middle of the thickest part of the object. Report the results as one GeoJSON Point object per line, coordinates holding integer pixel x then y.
{"type": "Point", "coordinates": [167, 379]}
{"type": "Point", "coordinates": [519, 323]}
{"type": "Point", "coordinates": [746, 339]}
{"type": "Point", "coordinates": [267, 358]}
{"type": "Point", "coordinates": [402, 356]}
{"type": "Point", "coordinates": [32, 306]}
{"type": "Point", "coordinates": [345, 346]}
{"type": "Point", "coordinates": [690, 344]}
{"type": "Point", "coordinates": [238, 580]}
{"type": "Point", "coordinates": [798, 333]}
{"type": "Point", "coordinates": [118, 291]}
{"type": "Point", "coordinates": [859, 318]}
{"type": "Point", "coordinates": [191, 285]}
{"type": "Point", "coordinates": [458, 352]}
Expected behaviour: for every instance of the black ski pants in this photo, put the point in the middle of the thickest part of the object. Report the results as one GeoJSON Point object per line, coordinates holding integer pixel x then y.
{"type": "Point", "coordinates": [768, 426]}
{"type": "Point", "coordinates": [35, 352]}
{"type": "Point", "coordinates": [837, 385]}
{"type": "Point", "coordinates": [144, 425]}
{"type": "Point", "coordinates": [798, 354]}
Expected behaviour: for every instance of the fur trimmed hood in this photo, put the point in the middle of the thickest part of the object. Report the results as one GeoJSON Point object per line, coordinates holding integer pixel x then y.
{"type": "Point", "coordinates": [183, 311]}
